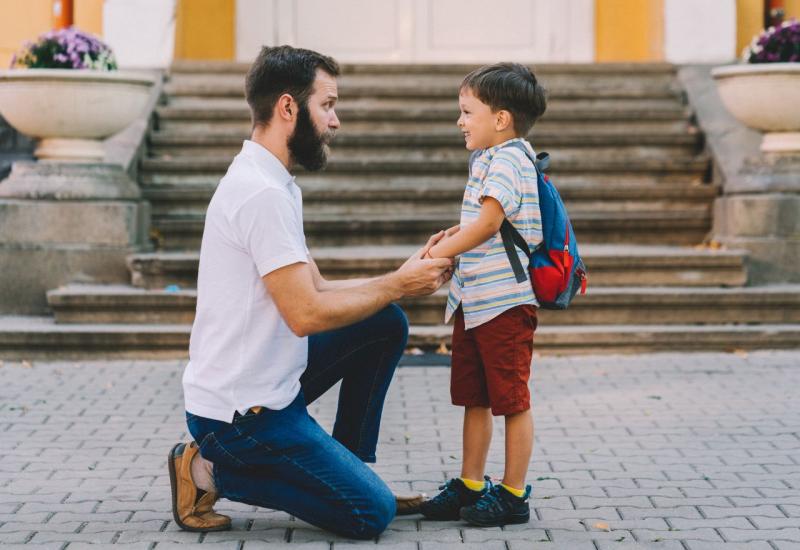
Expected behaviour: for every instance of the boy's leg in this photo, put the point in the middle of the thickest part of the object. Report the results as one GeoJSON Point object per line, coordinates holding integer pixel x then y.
{"type": "Point", "coordinates": [364, 357]}
{"type": "Point", "coordinates": [467, 389]}
{"type": "Point", "coordinates": [477, 437]}
{"type": "Point", "coordinates": [506, 346]}
{"type": "Point", "coordinates": [285, 461]}
{"type": "Point", "coordinates": [519, 446]}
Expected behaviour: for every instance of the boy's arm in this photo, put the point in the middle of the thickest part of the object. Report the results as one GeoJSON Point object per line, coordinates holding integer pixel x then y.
{"type": "Point", "coordinates": [468, 237]}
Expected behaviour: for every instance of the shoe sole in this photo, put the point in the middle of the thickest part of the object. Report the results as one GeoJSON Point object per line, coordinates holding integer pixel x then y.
{"type": "Point", "coordinates": [173, 482]}
{"type": "Point", "coordinates": [513, 520]}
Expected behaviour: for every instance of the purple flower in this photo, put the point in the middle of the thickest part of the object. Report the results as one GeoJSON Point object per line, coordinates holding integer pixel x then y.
{"type": "Point", "coordinates": [781, 44]}
{"type": "Point", "coordinates": [66, 48]}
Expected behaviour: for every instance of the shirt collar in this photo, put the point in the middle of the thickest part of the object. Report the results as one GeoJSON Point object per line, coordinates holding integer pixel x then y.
{"type": "Point", "coordinates": [267, 161]}
{"type": "Point", "coordinates": [492, 150]}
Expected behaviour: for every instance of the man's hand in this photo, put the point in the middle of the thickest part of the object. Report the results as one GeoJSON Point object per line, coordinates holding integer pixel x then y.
{"type": "Point", "coordinates": [419, 276]}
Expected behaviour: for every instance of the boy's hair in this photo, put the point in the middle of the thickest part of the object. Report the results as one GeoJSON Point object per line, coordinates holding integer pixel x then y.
{"type": "Point", "coordinates": [511, 87]}
{"type": "Point", "coordinates": [283, 70]}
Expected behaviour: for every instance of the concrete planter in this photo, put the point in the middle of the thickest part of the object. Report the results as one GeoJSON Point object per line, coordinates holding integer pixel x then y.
{"type": "Point", "coordinates": [71, 111]}
{"type": "Point", "coordinates": [766, 97]}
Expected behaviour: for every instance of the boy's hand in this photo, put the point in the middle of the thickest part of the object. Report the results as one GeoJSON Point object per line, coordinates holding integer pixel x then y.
{"type": "Point", "coordinates": [419, 275]}
{"type": "Point", "coordinates": [447, 233]}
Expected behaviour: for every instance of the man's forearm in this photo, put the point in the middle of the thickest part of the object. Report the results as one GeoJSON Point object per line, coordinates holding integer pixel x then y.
{"type": "Point", "coordinates": [342, 284]}
{"type": "Point", "coordinates": [346, 305]}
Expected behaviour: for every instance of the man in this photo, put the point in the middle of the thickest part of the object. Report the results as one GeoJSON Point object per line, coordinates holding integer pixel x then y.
{"type": "Point", "coordinates": [271, 334]}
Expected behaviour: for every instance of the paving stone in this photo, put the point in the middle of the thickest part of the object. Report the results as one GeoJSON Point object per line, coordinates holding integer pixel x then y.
{"type": "Point", "coordinates": [741, 535]}
{"type": "Point", "coordinates": [660, 545]}
{"type": "Point", "coordinates": [656, 483]}
{"type": "Point", "coordinates": [755, 545]}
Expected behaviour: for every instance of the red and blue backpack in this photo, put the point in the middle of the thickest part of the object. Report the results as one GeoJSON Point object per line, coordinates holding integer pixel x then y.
{"type": "Point", "coordinates": [555, 267]}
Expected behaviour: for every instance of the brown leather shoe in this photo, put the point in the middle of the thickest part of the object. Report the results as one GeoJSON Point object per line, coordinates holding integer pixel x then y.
{"type": "Point", "coordinates": [192, 507]}
{"type": "Point", "coordinates": [408, 504]}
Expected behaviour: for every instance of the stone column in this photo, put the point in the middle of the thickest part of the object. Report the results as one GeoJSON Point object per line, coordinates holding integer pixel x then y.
{"type": "Point", "coordinates": [759, 208]}
{"type": "Point", "coordinates": [760, 211]}
{"type": "Point", "coordinates": [63, 222]}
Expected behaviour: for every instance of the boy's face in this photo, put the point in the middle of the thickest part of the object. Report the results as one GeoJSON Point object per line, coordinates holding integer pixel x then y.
{"type": "Point", "coordinates": [477, 121]}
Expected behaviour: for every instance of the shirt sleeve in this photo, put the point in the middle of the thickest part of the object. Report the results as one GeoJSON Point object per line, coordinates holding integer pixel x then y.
{"type": "Point", "coordinates": [503, 183]}
{"type": "Point", "coordinates": [270, 231]}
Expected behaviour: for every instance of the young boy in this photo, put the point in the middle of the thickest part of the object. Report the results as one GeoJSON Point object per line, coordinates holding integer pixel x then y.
{"type": "Point", "coordinates": [495, 316]}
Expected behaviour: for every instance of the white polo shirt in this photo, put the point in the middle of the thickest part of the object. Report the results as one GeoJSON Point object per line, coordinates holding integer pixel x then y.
{"type": "Point", "coordinates": [242, 353]}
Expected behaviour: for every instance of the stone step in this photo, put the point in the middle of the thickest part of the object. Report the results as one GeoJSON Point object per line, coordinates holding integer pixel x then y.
{"type": "Point", "coordinates": [455, 148]}
{"type": "Point", "coordinates": [422, 127]}
{"type": "Point", "coordinates": [778, 304]}
{"type": "Point", "coordinates": [455, 153]}
{"type": "Point", "coordinates": [437, 135]}
{"type": "Point", "coordinates": [647, 181]}
{"type": "Point", "coordinates": [608, 265]}
{"type": "Point", "coordinates": [450, 162]}
{"type": "Point", "coordinates": [589, 70]}
{"type": "Point", "coordinates": [184, 195]}
{"type": "Point", "coordinates": [687, 226]}
{"type": "Point", "coordinates": [40, 338]}
{"type": "Point", "coordinates": [437, 86]}
{"type": "Point", "coordinates": [370, 109]}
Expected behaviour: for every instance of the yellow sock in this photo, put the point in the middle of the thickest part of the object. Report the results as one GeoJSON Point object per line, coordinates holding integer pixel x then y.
{"type": "Point", "coordinates": [516, 492]}
{"type": "Point", "coordinates": [473, 485]}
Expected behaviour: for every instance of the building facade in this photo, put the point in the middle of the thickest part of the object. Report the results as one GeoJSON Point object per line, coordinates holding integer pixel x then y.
{"type": "Point", "coordinates": [153, 33]}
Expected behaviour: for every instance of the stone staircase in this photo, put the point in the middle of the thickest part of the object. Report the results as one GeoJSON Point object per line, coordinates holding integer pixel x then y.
{"type": "Point", "coordinates": [626, 157]}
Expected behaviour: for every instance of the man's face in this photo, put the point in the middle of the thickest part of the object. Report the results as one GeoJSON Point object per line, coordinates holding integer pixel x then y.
{"type": "Point", "coordinates": [316, 124]}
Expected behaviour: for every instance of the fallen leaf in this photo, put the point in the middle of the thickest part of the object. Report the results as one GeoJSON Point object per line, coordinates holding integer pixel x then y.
{"type": "Point", "coordinates": [602, 525]}
{"type": "Point", "coordinates": [414, 351]}
{"type": "Point", "coordinates": [442, 349]}
{"type": "Point", "coordinates": [26, 365]}
{"type": "Point", "coordinates": [741, 353]}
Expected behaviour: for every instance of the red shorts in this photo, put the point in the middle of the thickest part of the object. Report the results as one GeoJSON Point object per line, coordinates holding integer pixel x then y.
{"type": "Point", "coordinates": [491, 363]}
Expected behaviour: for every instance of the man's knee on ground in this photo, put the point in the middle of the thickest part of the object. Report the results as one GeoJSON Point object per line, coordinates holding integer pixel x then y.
{"type": "Point", "coordinates": [372, 518]}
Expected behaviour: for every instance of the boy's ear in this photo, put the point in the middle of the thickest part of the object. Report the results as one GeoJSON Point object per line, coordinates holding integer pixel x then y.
{"type": "Point", "coordinates": [502, 120]}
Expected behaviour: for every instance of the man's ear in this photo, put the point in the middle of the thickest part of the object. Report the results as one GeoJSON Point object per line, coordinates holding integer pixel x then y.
{"type": "Point", "coordinates": [503, 120]}
{"type": "Point", "coordinates": [286, 107]}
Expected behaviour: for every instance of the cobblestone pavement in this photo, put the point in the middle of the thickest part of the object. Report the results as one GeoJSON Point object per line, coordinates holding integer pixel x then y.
{"type": "Point", "coordinates": [671, 451]}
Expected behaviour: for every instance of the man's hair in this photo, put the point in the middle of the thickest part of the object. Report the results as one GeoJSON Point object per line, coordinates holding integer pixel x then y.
{"type": "Point", "coordinates": [283, 70]}
{"type": "Point", "coordinates": [511, 87]}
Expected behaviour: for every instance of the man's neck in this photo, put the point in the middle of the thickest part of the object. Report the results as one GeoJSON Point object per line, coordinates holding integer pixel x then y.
{"type": "Point", "coordinates": [274, 143]}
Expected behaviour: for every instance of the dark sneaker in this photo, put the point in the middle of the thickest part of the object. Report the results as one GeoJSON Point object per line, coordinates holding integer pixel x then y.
{"type": "Point", "coordinates": [455, 495]}
{"type": "Point", "coordinates": [498, 507]}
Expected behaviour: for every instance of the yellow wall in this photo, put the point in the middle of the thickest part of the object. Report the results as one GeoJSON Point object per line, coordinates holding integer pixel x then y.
{"type": "Point", "coordinates": [205, 29]}
{"type": "Point", "coordinates": [629, 30]}
{"type": "Point", "coordinates": [792, 9]}
{"type": "Point", "coordinates": [21, 21]}
{"type": "Point", "coordinates": [88, 16]}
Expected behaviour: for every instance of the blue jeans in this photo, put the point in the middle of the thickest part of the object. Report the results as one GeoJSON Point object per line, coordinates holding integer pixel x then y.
{"type": "Point", "coordinates": [282, 459]}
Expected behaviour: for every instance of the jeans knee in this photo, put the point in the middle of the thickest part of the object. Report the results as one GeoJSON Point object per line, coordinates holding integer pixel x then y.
{"type": "Point", "coordinates": [396, 323]}
{"type": "Point", "coordinates": [370, 522]}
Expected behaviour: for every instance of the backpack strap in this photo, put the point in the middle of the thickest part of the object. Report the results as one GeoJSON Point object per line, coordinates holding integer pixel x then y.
{"type": "Point", "coordinates": [508, 232]}
{"type": "Point", "coordinates": [511, 237]}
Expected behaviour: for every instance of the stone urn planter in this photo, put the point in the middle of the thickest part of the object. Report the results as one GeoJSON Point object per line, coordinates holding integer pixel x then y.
{"type": "Point", "coordinates": [766, 97]}
{"type": "Point", "coordinates": [72, 111]}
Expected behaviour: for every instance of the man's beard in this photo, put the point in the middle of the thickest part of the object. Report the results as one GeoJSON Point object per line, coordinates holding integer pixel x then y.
{"type": "Point", "coordinates": [308, 148]}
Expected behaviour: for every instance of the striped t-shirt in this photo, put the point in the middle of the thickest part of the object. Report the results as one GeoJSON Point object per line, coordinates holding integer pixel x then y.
{"type": "Point", "coordinates": [483, 281]}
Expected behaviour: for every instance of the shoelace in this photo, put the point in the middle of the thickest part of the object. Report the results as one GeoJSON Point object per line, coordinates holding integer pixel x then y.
{"type": "Point", "coordinates": [492, 501]}
{"type": "Point", "coordinates": [448, 492]}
